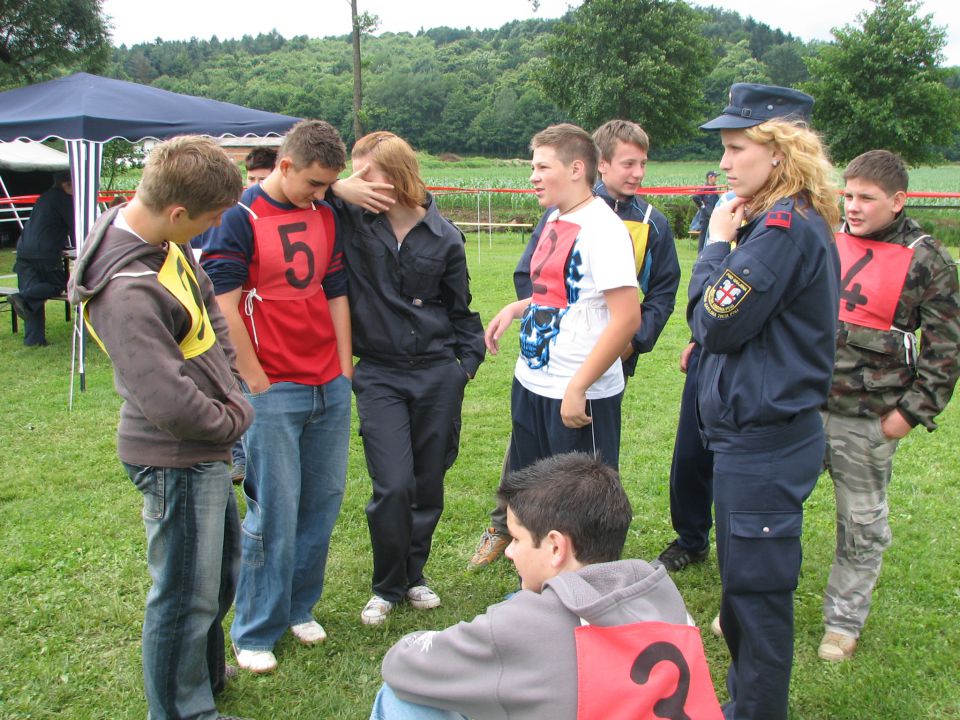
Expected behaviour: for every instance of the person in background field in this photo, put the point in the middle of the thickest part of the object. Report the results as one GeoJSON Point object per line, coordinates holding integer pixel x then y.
{"type": "Point", "coordinates": [691, 468]}
{"type": "Point", "coordinates": [897, 281]}
{"type": "Point", "coordinates": [277, 268]}
{"type": "Point", "coordinates": [706, 201]}
{"type": "Point", "coordinates": [525, 658]}
{"type": "Point", "coordinates": [763, 304]}
{"type": "Point", "coordinates": [152, 309]}
{"type": "Point", "coordinates": [418, 345]}
{"type": "Point", "coordinates": [623, 161]}
{"type": "Point", "coordinates": [259, 163]}
{"type": "Point", "coordinates": [39, 263]}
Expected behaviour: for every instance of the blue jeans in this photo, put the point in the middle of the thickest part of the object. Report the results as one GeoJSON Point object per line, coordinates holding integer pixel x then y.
{"type": "Point", "coordinates": [296, 472]}
{"type": "Point", "coordinates": [387, 706]}
{"type": "Point", "coordinates": [193, 552]}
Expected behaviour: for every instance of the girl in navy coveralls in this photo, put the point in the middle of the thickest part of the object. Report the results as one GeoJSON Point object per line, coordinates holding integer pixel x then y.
{"type": "Point", "coordinates": [418, 343]}
{"type": "Point", "coordinates": [763, 306]}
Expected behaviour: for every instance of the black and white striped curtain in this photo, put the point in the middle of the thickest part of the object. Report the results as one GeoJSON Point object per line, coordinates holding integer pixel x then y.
{"type": "Point", "coordinates": [85, 159]}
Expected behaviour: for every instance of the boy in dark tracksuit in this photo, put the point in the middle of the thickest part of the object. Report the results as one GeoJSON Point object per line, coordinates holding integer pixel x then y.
{"type": "Point", "coordinates": [623, 158]}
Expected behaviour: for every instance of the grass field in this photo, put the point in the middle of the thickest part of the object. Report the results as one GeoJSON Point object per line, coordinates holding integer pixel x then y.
{"type": "Point", "coordinates": [73, 573]}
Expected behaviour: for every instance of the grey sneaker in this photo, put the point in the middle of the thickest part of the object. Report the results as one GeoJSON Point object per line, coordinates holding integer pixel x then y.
{"type": "Point", "coordinates": [375, 611]}
{"type": "Point", "coordinates": [422, 597]}
{"type": "Point", "coordinates": [491, 546]}
{"type": "Point", "coordinates": [676, 557]}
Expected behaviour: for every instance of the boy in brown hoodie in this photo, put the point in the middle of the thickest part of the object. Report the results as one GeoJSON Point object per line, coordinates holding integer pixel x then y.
{"type": "Point", "coordinates": [152, 310]}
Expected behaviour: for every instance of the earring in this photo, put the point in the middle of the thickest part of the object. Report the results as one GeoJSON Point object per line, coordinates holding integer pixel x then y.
{"type": "Point", "coordinates": [775, 163]}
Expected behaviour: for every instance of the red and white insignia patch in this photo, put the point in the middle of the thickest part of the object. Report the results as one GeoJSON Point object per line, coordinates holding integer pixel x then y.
{"type": "Point", "coordinates": [724, 298]}
{"type": "Point", "coordinates": [779, 218]}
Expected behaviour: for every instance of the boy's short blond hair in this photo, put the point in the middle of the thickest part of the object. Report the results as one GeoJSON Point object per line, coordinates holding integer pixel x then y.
{"type": "Point", "coordinates": [607, 135]}
{"type": "Point", "coordinates": [314, 141]}
{"type": "Point", "coordinates": [570, 143]}
{"type": "Point", "coordinates": [191, 172]}
{"type": "Point", "coordinates": [883, 168]}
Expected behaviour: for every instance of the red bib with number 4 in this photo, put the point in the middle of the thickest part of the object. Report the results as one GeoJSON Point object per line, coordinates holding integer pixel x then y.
{"type": "Point", "coordinates": [872, 277]}
{"type": "Point", "coordinates": [643, 671]}
{"type": "Point", "coordinates": [294, 250]}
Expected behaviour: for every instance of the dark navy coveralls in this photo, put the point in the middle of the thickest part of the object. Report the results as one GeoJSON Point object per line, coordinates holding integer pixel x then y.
{"type": "Point", "coordinates": [418, 343]}
{"type": "Point", "coordinates": [765, 316]}
{"type": "Point", "coordinates": [39, 263]}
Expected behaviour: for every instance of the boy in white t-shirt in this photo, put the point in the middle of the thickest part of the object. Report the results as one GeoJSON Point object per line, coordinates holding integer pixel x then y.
{"type": "Point", "coordinates": [585, 309]}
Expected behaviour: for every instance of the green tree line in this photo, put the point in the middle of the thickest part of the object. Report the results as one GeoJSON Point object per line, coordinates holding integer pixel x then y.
{"type": "Point", "coordinates": [463, 91]}
{"type": "Point", "coordinates": [663, 63]}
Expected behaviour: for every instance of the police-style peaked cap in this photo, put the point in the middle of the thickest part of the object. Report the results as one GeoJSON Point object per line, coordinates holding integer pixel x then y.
{"type": "Point", "coordinates": [752, 104]}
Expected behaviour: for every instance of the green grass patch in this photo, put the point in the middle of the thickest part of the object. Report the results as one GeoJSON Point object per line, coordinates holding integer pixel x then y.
{"type": "Point", "coordinates": [73, 574]}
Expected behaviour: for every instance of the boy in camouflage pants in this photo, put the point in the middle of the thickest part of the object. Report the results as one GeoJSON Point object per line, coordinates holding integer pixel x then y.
{"type": "Point", "coordinates": [896, 280]}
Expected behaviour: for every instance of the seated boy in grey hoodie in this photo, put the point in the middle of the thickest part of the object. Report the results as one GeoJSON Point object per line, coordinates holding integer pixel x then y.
{"type": "Point", "coordinates": [152, 310]}
{"type": "Point", "coordinates": [547, 648]}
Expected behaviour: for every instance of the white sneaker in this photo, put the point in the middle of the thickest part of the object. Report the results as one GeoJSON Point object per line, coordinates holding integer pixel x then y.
{"type": "Point", "coordinates": [715, 626]}
{"type": "Point", "coordinates": [375, 611]}
{"type": "Point", "coordinates": [422, 597]}
{"type": "Point", "coordinates": [309, 633]}
{"type": "Point", "coordinates": [256, 661]}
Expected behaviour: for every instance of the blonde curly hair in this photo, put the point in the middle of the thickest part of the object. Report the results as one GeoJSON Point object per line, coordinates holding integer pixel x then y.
{"type": "Point", "coordinates": [805, 173]}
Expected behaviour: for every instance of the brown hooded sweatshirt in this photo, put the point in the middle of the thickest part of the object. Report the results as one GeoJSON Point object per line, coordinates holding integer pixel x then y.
{"type": "Point", "coordinates": [177, 412]}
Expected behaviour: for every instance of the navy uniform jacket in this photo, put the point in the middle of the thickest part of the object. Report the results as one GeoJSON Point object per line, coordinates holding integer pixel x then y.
{"type": "Point", "coordinates": [765, 315]}
{"type": "Point", "coordinates": [409, 306]}
{"type": "Point", "coordinates": [659, 277]}
{"type": "Point", "coordinates": [50, 227]}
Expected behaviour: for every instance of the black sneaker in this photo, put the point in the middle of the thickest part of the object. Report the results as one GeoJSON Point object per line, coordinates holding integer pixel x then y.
{"type": "Point", "coordinates": [676, 557]}
{"type": "Point", "coordinates": [16, 302]}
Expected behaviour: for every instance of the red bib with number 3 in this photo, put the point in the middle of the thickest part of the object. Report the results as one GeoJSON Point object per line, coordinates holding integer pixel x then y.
{"type": "Point", "coordinates": [548, 266]}
{"type": "Point", "coordinates": [294, 250]}
{"type": "Point", "coordinates": [872, 277]}
{"type": "Point", "coordinates": [643, 671]}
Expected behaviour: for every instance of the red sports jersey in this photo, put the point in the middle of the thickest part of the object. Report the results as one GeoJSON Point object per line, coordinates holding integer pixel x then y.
{"type": "Point", "coordinates": [282, 303]}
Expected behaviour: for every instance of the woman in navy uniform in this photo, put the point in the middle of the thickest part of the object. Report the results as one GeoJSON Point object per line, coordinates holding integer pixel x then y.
{"type": "Point", "coordinates": [763, 306]}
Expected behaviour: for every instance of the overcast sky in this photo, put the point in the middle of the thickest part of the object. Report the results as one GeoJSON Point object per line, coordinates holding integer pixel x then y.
{"type": "Point", "coordinates": [135, 22]}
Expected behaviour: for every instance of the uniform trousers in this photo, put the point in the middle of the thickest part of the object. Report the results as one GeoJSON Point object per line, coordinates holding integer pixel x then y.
{"type": "Point", "coordinates": [410, 424]}
{"type": "Point", "coordinates": [759, 493]}
{"type": "Point", "coordinates": [691, 472]}
{"type": "Point", "coordinates": [38, 280]}
{"type": "Point", "coordinates": [860, 460]}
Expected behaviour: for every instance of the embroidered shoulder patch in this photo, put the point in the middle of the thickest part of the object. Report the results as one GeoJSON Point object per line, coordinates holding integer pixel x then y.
{"type": "Point", "coordinates": [724, 298]}
{"type": "Point", "coordinates": [779, 218]}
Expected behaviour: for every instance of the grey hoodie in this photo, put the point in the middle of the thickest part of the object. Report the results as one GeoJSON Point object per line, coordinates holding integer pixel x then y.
{"type": "Point", "coordinates": [519, 659]}
{"type": "Point", "coordinates": [176, 412]}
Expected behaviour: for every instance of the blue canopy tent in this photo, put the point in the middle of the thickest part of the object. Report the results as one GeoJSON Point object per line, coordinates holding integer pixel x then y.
{"type": "Point", "coordinates": [88, 110]}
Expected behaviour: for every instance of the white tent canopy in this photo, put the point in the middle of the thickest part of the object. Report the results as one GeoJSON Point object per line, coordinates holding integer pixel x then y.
{"type": "Point", "coordinates": [28, 156]}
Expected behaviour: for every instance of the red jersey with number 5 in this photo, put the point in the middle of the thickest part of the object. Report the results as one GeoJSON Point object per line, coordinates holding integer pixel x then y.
{"type": "Point", "coordinates": [287, 262]}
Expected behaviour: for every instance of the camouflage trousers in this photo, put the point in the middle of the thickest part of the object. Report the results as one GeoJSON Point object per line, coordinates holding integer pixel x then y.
{"type": "Point", "coordinates": [860, 461]}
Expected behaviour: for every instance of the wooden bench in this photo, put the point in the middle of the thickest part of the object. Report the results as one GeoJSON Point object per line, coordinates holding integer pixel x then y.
{"type": "Point", "coordinates": [6, 292]}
